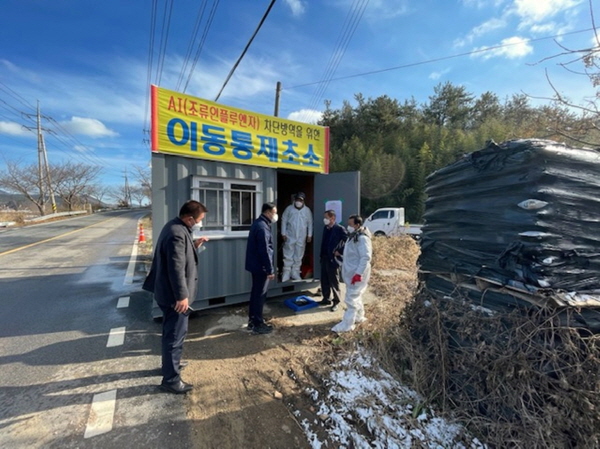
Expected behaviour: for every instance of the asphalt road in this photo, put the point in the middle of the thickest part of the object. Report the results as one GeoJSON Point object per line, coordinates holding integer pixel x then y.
{"type": "Point", "coordinates": [79, 351]}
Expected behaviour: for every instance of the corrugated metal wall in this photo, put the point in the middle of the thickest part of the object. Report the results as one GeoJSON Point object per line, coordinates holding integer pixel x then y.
{"type": "Point", "coordinates": [221, 266]}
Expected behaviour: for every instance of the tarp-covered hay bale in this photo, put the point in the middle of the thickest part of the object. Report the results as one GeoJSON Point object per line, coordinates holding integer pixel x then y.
{"type": "Point", "coordinates": [519, 221]}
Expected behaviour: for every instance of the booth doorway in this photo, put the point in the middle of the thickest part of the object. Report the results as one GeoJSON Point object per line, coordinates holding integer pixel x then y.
{"type": "Point", "coordinates": [289, 183]}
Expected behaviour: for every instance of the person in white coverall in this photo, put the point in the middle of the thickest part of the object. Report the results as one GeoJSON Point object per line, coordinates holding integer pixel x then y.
{"type": "Point", "coordinates": [356, 270]}
{"type": "Point", "coordinates": [296, 230]}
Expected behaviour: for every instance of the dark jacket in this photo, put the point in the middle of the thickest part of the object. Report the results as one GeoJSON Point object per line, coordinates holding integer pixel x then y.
{"type": "Point", "coordinates": [174, 272]}
{"type": "Point", "coordinates": [259, 250]}
{"type": "Point", "coordinates": [331, 239]}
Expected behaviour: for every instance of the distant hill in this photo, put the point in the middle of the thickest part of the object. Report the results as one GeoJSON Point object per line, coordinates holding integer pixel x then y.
{"type": "Point", "coordinates": [16, 201]}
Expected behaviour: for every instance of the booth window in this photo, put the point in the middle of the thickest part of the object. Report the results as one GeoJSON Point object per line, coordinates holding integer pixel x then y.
{"type": "Point", "coordinates": [232, 203]}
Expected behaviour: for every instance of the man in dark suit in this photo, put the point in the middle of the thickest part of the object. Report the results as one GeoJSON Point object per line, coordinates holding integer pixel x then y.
{"type": "Point", "coordinates": [173, 279]}
{"type": "Point", "coordinates": [259, 262]}
{"type": "Point", "coordinates": [334, 235]}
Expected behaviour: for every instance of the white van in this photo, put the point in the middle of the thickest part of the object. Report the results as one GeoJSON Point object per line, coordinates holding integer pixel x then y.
{"type": "Point", "coordinates": [389, 221]}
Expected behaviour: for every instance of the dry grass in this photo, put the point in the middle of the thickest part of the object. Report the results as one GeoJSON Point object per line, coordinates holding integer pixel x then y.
{"type": "Point", "coordinates": [519, 379]}
{"type": "Point", "coordinates": [17, 217]}
{"type": "Point", "coordinates": [516, 379]}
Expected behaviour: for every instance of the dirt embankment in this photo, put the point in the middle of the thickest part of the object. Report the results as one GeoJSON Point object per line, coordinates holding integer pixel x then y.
{"type": "Point", "coordinates": [251, 391]}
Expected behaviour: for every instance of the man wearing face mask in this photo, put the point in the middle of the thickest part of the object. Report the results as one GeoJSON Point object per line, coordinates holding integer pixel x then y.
{"type": "Point", "coordinates": [259, 262]}
{"type": "Point", "coordinates": [356, 270]}
{"type": "Point", "coordinates": [333, 237]}
{"type": "Point", "coordinates": [173, 279]}
{"type": "Point", "coordinates": [296, 230]}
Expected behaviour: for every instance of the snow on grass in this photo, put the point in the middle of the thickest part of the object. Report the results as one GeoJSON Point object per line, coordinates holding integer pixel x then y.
{"type": "Point", "coordinates": [365, 407]}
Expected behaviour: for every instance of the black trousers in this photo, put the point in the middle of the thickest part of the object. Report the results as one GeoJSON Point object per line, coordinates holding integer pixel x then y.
{"type": "Point", "coordinates": [330, 280]}
{"type": "Point", "coordinates": [258, 296]}
{"type": "Point", "coordinates": [175, 326]}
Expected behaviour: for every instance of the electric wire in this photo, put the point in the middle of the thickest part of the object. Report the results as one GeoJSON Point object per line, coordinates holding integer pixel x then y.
{"type": "Point", "coordinates": [164, 39]}
{"type": "Point", "coordinates": [353, 18]}
{"type": "Point", "coordinates": [191, 45]}
{"type": "Point", "coordinates": [246, 48]}
{"type": "Point", "coordinates": [207, 28]}
{"type": "Point", "coordinates": [15, 95]}
{"type": "Point", "coordinates": [150, 64]}
{"type": "Point", "coordinates": [442, 58]}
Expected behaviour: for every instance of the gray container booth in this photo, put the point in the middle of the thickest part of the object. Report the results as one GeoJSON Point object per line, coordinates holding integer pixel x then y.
{"type": "Point", "coordinates": [234, 194]}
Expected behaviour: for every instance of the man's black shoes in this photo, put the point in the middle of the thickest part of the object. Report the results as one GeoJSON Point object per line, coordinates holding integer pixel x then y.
{"type": "Point", "coordinates": [262, 329]}
{"type": "Point", "coordinates": [325, 302]}
{"type": "Point", "coordinates": [334, 307]}
{"type": "Point", "coordinates": [177, 387]}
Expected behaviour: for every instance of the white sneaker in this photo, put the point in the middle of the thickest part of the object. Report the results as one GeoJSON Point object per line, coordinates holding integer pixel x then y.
{"type": "Point", "coordinates": [339, 328]}
{"type": "Point", "coordinates": [361, 320]}
{"type": "Point", "coordinates": [296, 277]}
{"type": "Point", "coordinates": [285, 277]}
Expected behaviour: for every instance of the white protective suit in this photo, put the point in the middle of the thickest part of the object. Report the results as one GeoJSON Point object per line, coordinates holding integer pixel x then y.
{"type": "Point", "coordinates": [357, 260]}
{"type": "Point", "coordinates": [296, 226]}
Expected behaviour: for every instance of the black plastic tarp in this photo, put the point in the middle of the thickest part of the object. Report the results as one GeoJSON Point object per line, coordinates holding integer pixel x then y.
{"type": "Point", "coordinates": [524, 212]}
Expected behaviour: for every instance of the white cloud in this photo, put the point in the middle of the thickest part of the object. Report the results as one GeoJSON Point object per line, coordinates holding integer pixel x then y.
{"type": "Point", "coordinates": [536, 11]}
{"type": "Point", "coordinates": [388, 9]}
{"type": "Point", "coordinates": [438, 75]}
{"type": "Point", "coordinates": [297, 6]}
{"type": "Point", "coordinates": [511, 48]}
{"type": "Point", "coordinates": [13, 129]}
{"type": "Point", "coordinates": [480, 4]}
{"type": "Point", "coordinates": [88, 127]}
{"type": "Point", "coordinates": [306, 116]}
{"type": "Point", "coordinates": [480, 30]}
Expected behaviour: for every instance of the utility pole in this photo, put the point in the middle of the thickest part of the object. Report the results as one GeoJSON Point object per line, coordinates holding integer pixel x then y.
{"type": "Point", "coordinates": [41, 159]}
{"type": "Point", "coordinates": [127, 191]}
{"type": "Point", "coordinates": [277, 94]}
{"type": "Point", "coordinates": [40, 152]}
{"type": "Point", "coordinates": [48, 179]}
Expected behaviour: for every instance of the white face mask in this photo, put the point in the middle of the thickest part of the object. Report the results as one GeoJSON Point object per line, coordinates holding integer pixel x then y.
{"type": "Point", "coordinates": [299, 204]}
{"type": "Point", "coordinates": [275, 218]}
{"type": "Point", "coordinates": [197, 226]}
{"type": "Point", "coordinates": [351, 229]}
{"type": "Point", "coordinates": [326, 221]}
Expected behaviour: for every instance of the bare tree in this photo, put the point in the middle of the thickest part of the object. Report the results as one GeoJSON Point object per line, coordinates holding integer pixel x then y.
{"type": "Point", "coordinates": [581, 62]}
{"type": "Point", "coordinates": [138, 193]}
{"type": "Point", "coordinates": [24, 179]}
{"type": "Point", "coordinates": [120, 194]}
{"type": "Point", "coordinates": [143, 176]}
{"type": "Point", "coordinates": [72, 181]}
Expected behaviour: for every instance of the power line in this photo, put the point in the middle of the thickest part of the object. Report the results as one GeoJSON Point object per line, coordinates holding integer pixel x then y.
{"type": "Point", "coordinates": [202, 41]}
{"type": "Point", "coordinates": [353, 18]}
{"type": "Point", "coordinates": [443, 58]}
{"type": "Point", "coordinates": [164, 37]}
{"type": "Point", "coordinates": [150, 58]}
{"type": "Point", "coordinates": [246, 48]}
{"type": "Point", "coordinates": [190, 49]}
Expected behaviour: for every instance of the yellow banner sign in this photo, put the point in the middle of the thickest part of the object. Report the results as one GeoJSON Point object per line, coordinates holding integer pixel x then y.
{"type": "Point", "coordinates": [193, 127]}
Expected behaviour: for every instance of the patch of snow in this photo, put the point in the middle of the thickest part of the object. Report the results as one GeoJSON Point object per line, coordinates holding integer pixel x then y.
{"type": "Point", "coordinates": [367, 408]}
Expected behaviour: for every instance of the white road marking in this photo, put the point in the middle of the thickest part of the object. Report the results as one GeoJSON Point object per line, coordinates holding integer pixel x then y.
{"type": "Point", "coordinates": [116, 337]}
{"type": "Point", "coordinates": [123, 302]}
{"type": "Point", "coordinates": [101, 414]}
{"type": "Point", "coordinates": [131, 267]}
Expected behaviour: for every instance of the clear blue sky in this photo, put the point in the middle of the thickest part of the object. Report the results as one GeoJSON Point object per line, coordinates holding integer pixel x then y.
{"type": "Point", "coordinates": [87, 61]}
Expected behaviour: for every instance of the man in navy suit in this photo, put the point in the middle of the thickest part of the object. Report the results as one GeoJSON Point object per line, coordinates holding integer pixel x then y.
{"type": "Point", "coordinates": [334, 236]}
{"type": "Point", "coordinates": [173, 279]}
{"type": "Point", "coordinates": [259, 262]}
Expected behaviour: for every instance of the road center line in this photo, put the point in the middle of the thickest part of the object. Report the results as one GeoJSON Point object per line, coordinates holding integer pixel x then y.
{"type": "Point", "coordinates": [53, 238]}
{"type": "Point", "coordinates": [123, 302]}
{"type": "Point", "coordinates": [101, 414]}
{"type": "Point", "coordinates": [116, 337]}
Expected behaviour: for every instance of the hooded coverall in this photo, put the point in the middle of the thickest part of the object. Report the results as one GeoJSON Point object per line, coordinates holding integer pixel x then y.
{"type": "Point", "coordinates": [296, 226]}
{"type": "Point", "coordinates": [357, 260]}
